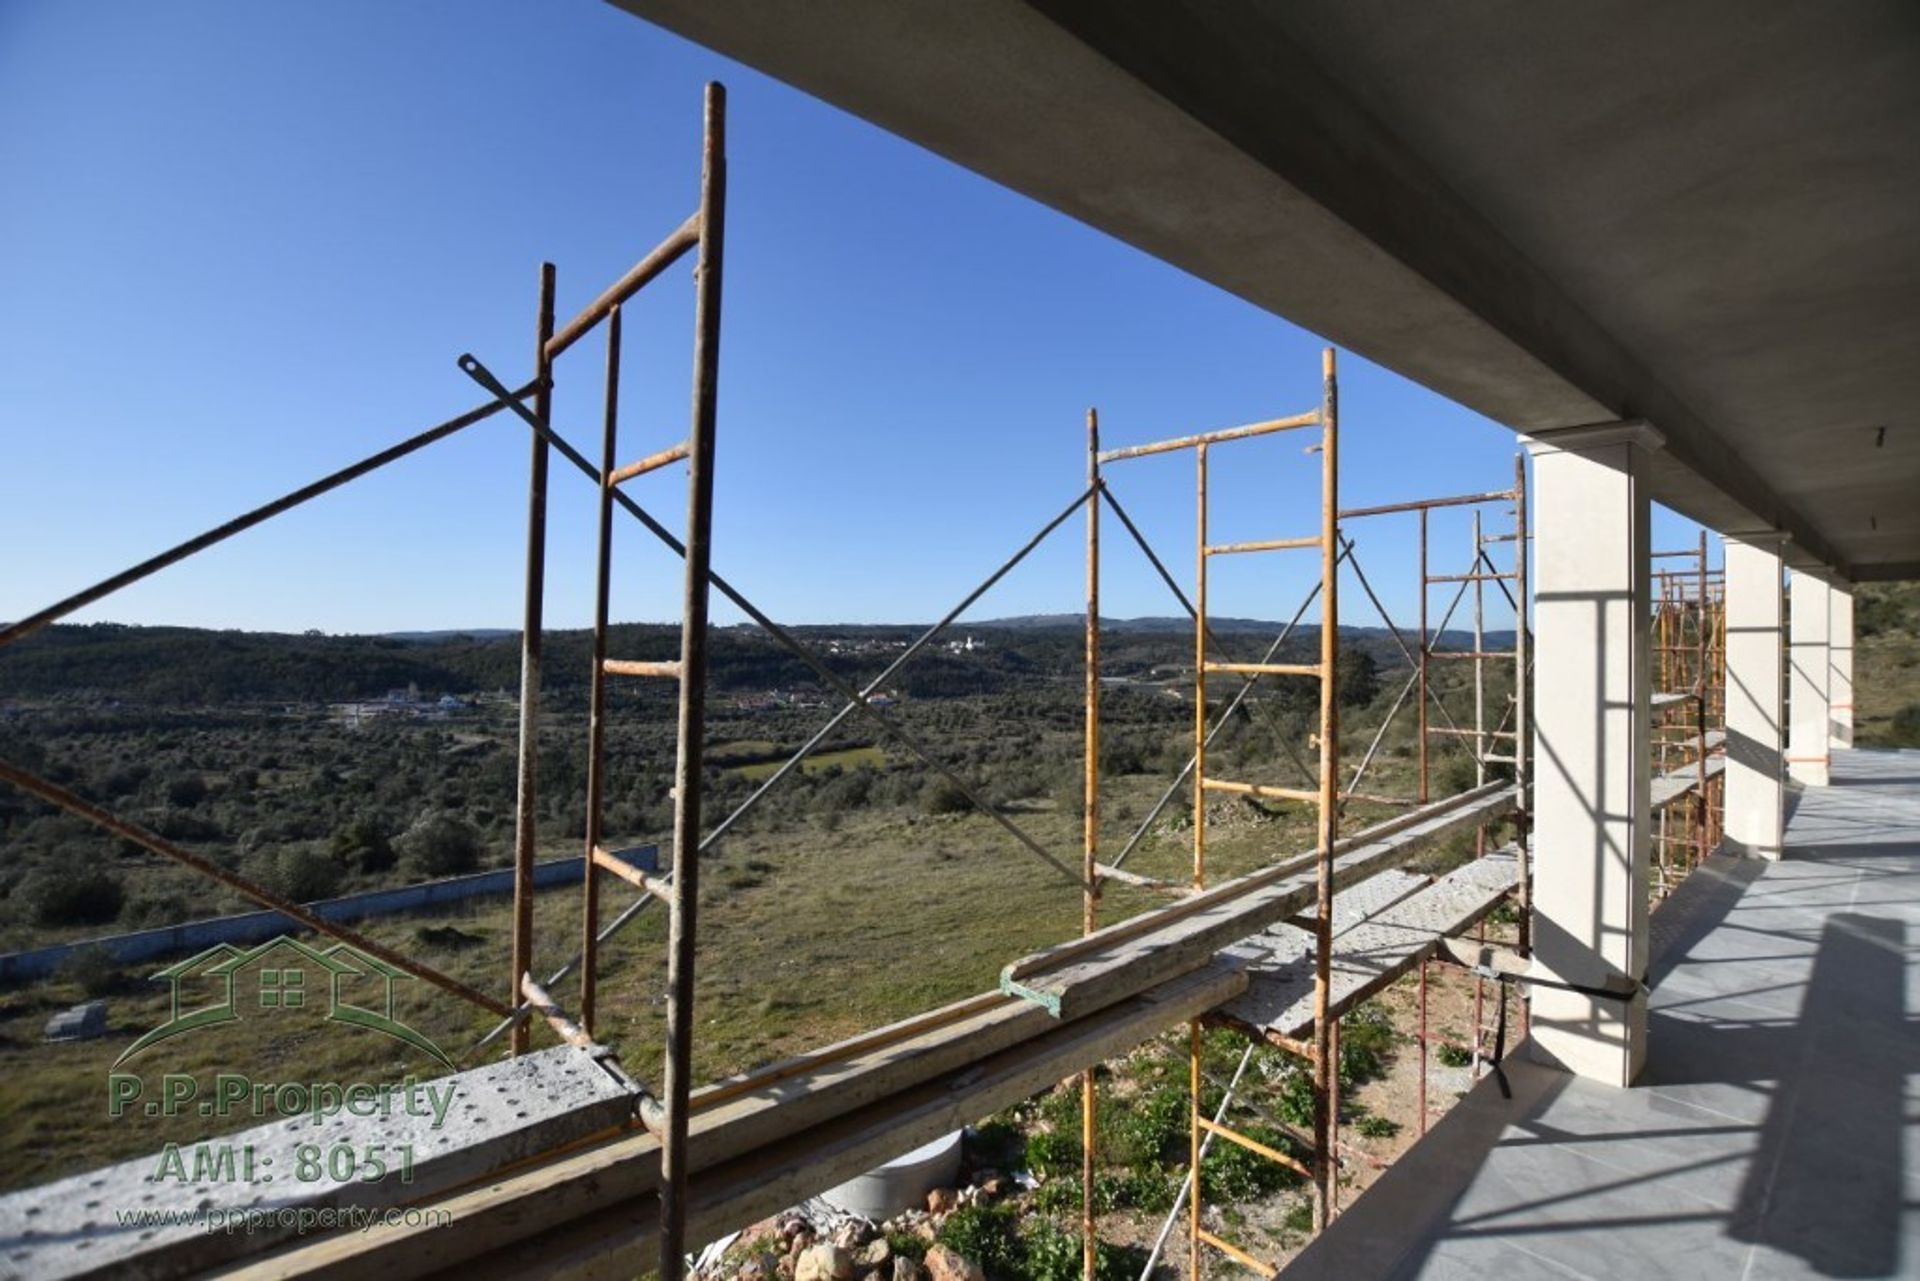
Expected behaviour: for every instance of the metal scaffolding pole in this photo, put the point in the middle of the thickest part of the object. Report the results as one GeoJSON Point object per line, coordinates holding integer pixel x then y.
{"type": "Point", "coordinates": [526, 821]}
{"type": "Point", "coordinates": [1325, 797]}
{"type": "Point", "coordinates": [1090, 837]}
{"type": "Point", "coordinates": [678, 1076]}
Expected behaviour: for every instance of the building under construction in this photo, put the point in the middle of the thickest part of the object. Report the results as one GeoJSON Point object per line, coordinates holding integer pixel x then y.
{"type": "Point", "coordinates": [1683, 922]}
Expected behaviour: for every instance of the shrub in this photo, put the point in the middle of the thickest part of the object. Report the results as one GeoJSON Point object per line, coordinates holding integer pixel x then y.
{"type": "Point", "coordinates": [87, 896]}
{"type": "Point", "coordinates": [1453, 1056]}
{"type": "Point", "coordinates": [304, 875]}
{"type": "Point", "coordinates": [450, 937]}
{"type": "Point", "coordinates": [124, 781]}
{"type": "Point", "coordinates": [941, 796]}
{"type": "Point", "coordinates": [1295, 1102]}
{"type": "Point", "coordinates": [187, 791]}
{"type": "Point", "coordinates": [907, 1245]}
{"type": "Point", "coordinates": [164, 907]}
{"type": "Point", "coordinates": [1057, 1196]}
{"type": "Point", "coordinates": [988, 1235]}
{"type": "Point", "coordinates": [1376, 1127]}
{"type": "Point", "coordinates": [1151, 1188]}
{"type": "Point", "coordinates": [1455, 774]}
{"type": "Point", "coordinates": [1118, 1262]}
{"type": "Point", "coordinates": [848, 791]}
{"type": "Point", "coordinates": [364, 845]}
{"type": "Point", "coordinates": [1366, 1042]}
{"type": "Point", "coordinates": [1147, 1131]}
{"type": "Point", "coordinates": [1060, 1108]}
{"type": "Point", "coordinates": [1232, 1173]}
{"type": "Point", "coordinates": [996, 1143]}
{"type": "Point", "coordinates": [1052, 1255]}
{"type": "Point", "coordinates": [1049, 1154]}
{"type": "Point", "coordinates": [438, 844]}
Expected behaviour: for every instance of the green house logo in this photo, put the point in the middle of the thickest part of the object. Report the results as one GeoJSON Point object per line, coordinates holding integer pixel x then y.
{"type": "Point", "coordinates": [225, 983]}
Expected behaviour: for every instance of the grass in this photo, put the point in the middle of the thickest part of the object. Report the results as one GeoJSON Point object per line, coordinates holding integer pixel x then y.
{"type": "Point", "coordinates": [810, 932]}
{"type": "Point", "coordinates": [1887, 665]}
{"type": "Point", "coordinates": [818, 763]}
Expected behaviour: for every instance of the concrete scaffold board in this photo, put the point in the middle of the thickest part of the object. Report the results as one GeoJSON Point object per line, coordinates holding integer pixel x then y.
{"type": "Point", "coordinates": [1369, 954]}
{"type": "Point", "coordinates": [1670, 787]}
{"type": "Point", "coordinates": [102, 1223]}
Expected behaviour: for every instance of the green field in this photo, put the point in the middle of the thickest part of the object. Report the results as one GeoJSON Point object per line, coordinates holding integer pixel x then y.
{"type": "Point", "coordinates": [819, 762]}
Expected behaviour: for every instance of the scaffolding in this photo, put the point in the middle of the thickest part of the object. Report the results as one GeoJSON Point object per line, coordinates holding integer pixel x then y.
{"type": "Point", "coordinates": [1323, 797]}
{"type": "Point", "coordinates": [1689, 627]}
{"type": "Point", "coordinates": [1688, 737]}
{"type": "Point", "coordinates": [702, 235]}
{"type": "Point", "coordinates": [1316, 1157]}
{"type": "Point", "coordinates": [1505, 743]}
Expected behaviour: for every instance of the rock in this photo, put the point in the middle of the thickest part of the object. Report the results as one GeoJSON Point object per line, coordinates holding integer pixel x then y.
{"type": "Point", "coordinates": [765, 1231]}
{"type": "Point", "coordinates": [825, 1262]}
{"type": "Point", "coordinates": [905, 1269]}
{"type": "Point", "coordinates": [926, 1229]}
{"type": "Point", "coordinates": [852, 1234]}
{"type": "Point", "coordinates": [764, 1266]}
{"type": "Point", "coordinates": [83, 1022]}
{"type": "Point", "coordinates": [876, 1253]}
{"type": "Point", "coordinates": [942, 1201]}
{"type": "Point", "coordinates": [997, 1185]}
{"type": "Point", "coordinates": [944, 1264]}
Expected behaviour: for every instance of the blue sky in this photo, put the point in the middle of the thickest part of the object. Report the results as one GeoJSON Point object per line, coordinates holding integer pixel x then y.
{"type": "Point", "coordinates": [243, 244]}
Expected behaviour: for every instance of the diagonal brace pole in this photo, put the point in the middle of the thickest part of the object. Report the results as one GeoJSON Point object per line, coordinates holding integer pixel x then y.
{"type": "Point", "coordinates": [480, 374]}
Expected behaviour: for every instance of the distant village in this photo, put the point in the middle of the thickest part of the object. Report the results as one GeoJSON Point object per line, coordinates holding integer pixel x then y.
{"type": "Point", "coordinates": [405, 704]}
{"type": "Point", "coordinates": [868, 645]}
{"type": "Point", "coordinates": [410, 704]}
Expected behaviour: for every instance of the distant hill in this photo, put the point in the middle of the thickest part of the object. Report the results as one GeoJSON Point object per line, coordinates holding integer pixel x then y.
{"type": "Point", "coordinates": [1452, 638]}
{"type": "Point", "coordinates": [453, 633]}
{"type": "Point", "coordinates": [184, 666]}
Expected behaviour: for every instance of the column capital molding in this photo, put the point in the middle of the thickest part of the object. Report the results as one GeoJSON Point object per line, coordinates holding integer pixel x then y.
{"type": "Point", "coordinates": [1625, 431]}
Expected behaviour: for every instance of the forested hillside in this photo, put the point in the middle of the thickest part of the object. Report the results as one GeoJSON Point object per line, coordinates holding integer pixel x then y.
{"type": "Point", "coordinates": [189, 667]}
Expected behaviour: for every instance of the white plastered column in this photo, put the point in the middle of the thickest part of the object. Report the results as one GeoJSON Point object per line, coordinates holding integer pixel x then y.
{"type": "Point", "coordinates": [1840, 670]}
{"type": "Point", "coordinates": [1756, 705]}
{"type": "Point", "coordinates": [1810, 668]}
{"type": "Point", "coordinates": [1591, 726]}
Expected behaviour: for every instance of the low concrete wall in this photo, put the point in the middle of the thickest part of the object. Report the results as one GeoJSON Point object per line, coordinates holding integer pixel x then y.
{"type": "Point", "coordinates": [254, 927]}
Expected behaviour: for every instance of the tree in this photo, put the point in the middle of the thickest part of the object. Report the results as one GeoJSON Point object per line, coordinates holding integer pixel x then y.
{"type": "Point", "coordinates": [187, 791]}
{"type": "Point", "coordinates": [364, 845]}
{"type": "Point", "coordinates": [306, 874]}
{"type": "Point", "coordinates": [1357, 679]}
{"type": "Point", "coordinates": [439, 844]}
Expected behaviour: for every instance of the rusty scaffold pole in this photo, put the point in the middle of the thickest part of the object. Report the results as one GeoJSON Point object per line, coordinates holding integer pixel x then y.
{"type": "Point", "coordinates": [597, 695]}
{"type": "Point", "coordinates": [526, 820]}
{"type": "Point", "coordinates": [677, 1081]}
{"type": "Point", "coordinates": [1325, 1035]}
{"type": "Point", "coordinates": [1324, 796]}
{"type": "Point", "coordinates": [1090, 839]}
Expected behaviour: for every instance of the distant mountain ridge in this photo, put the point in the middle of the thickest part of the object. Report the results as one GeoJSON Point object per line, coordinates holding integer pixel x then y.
{"type": "Point", "coordinates": [1452, 638]}
{"type": "Point", "coordinates": [187, 666]}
